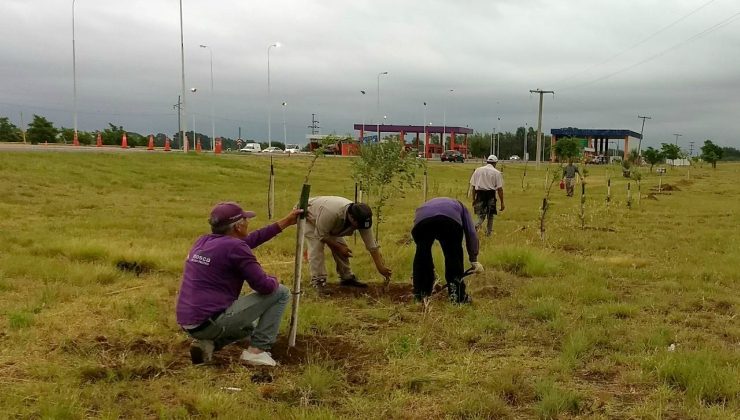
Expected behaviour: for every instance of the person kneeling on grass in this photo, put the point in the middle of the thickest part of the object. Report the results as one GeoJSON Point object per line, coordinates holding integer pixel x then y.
{"type": "Point", "coordinates": [447, 221]}
{"type": "Point", "coordinates": [209, 307]}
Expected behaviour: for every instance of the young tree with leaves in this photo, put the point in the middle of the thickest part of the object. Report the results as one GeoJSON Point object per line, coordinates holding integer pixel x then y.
{"type": "Point", "coordinates": [41, 130]}
{"type": "Point", "coordinates": [8, 131]}
{"type": "Point", "coordinates": [711, 153]}
{"type": "Point", "coordinates": [385, 169]}
{"type": "Point", "coordinates": [670, 151]}
{"type": "Point", "coordinates": [652, 156]}
{"type": "Point", "coordinates": [567, 149]}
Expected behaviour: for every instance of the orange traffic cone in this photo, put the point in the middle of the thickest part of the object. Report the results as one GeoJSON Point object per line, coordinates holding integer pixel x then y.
{"type": "Point", "coordinates": [124, 141]}
{"type": "Point", "coordinates": [151, 143]}
{"type": "Point", "coordinates": [166, 144]}
{"type": "Point", "coordinates": [217, 148]}
{"type": "Point", "coordinates": [99, 141]}
{"type": "Point", "coordinates": [75, 140]}
{"type": "Point", "coordinates": [198, 147]}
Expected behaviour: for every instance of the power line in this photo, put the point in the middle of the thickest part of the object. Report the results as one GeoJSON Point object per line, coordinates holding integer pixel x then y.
{"type": "Point", "coordinates": [637, 44]}
{"type": "Point", "coordinates": [707, 31]}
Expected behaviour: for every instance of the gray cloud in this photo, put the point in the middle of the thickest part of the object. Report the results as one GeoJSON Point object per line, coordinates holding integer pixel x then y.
{"type": "Point", "coordinates": [490, 52]}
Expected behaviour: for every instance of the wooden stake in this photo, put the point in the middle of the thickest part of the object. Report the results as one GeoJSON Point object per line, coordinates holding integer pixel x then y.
{"type": "Point", "coordinates": [303, 204]}
{"type": "Point", "coordinates": [426, 184]}
{"type": "Point", "coordinates": [583, 205]}
{"type": "Point", "coordinates": [629, 195]}
{"type": "Point", "coordinates": [271, 192]}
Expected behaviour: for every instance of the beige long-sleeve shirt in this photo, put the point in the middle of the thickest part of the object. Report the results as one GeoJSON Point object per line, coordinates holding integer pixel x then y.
{"type": "Point", "coordinates": [327, 217]}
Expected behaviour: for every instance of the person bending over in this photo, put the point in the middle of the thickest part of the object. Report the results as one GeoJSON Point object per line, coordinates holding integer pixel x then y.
{"type": "Point", "coordinates": [445, 220]}
{"type": "Point", "coordinates": [328, 220]}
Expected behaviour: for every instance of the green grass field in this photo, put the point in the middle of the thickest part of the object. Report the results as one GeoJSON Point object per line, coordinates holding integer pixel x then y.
{"type": "Point", "coordinates": [635, 316]}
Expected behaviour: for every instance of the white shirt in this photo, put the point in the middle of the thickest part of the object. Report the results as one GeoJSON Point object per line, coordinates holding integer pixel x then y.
{"type": "Point", "coordinates": [487, 178]}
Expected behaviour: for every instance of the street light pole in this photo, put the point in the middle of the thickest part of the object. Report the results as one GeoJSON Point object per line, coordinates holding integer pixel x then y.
{"type": "Point", "coordinates": [285, 129]}
{"type": "Point", "coordinates": [425, 132]}
{"type": "Point", "coordinates": [183, 126]}
{"type": "Point", "coordinates": [213, 106]}
{"type": "Point", "coordinates": [378, 105]}
{"type": "Point", "coordinates": [444, 120]}
{"type": "Point", "coordinates": [498, 137]}
{"type": "Point", "coordinates": [364, 111]}
{"type": "Point", "coordinates": [269, 104]}
{"type": "Point", "coordinates": [74, 73]}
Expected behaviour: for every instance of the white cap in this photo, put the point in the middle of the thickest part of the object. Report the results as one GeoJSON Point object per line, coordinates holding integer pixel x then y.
{"type": "Point", "coordinates": [492, 159]}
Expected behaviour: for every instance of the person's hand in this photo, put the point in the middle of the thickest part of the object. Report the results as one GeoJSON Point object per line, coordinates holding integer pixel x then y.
{"type": "Point", "coordinates": [342, 250]}
{"type": "Point", "coordinates": [385, 271]}
{"type": "Point", "coordinates": [477, 267]}
{"type": "Point", "coordinates": [290, 219]}
{"type": "Point", "coordinates": [502, 207]}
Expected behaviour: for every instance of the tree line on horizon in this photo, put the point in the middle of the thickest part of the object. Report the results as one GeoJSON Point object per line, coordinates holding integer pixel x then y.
{"type": "Point", "coordinates": [42, 130]}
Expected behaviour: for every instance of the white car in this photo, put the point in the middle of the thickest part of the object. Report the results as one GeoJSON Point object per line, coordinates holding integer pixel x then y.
{"type": "Point", "coordinates": [292, 148]}
{"type": "Point", "coordinates": [251, 148]}
{"type": "Point", "coordinates": [273, 149]}
{"type": "Point", "coordinates": [514, 157]}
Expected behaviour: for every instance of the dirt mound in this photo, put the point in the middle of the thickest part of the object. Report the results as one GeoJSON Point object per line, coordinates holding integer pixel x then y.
{"type": "Point", "coordinates": [396, 292]}
{"type": "Point", "coordinates": [492, 292]}
{"type": "Point", "coordinates": [666, 187]}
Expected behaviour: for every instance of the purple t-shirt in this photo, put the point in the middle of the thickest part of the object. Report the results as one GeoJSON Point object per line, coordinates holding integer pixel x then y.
{"type": "Point", "coordinates": [456, 211]}
{"type": "Point", "coordinates": [215, 270]}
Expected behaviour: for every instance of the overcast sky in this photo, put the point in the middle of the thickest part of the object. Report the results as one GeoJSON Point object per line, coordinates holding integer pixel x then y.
{"type": "Point", "coordinates": [608, 61]}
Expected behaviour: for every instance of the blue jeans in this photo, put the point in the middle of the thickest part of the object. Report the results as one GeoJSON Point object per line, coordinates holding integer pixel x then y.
{"type": "Point", "coordinates": [254, 315]}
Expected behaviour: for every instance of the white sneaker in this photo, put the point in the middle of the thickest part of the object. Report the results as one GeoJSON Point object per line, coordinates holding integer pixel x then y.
{"type": "Point", "coordinates": [258, 359]}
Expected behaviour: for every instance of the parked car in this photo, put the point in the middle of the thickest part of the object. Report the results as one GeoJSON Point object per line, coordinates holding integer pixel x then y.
{"type": "Point", "coordinates": [514, 157]}
{"type": "Point", "coordinates": [292, 148]}
{"type": "Point", "coordinates": [599, 160]}
{"type": "Point", "coordinates": [452, 156]}
{"type": "Point", "coordinates": [273, 149]}
{"type": "Point", "coordinates": [251, 148]}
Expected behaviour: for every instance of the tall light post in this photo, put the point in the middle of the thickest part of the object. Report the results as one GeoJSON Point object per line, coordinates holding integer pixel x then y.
{"type": "Point", "coordinates": [498, 137]}
{"type": "Point", "coordinates": [269, 104]}
{"type": "Point", "coordinates": [285, 129]}
{"type": "Point", "coordinates": [364, 111]}
{"type": "Point", "coordinates": [492, 134]}
{"type": "Point", "coordinates": [425, 132]}
{"type": "Point", "coordinates": [74, 74]}
{"type": "Point", "coordinates": [444, 119]}
{"type": "Point", "coordinates": [525, 156]}
{"type": "Point", "coordinates": [183, 123]}
{"type": "Point", "coordinates": [195, 142]}
{"type": "Point", "coordinates": [213, 103]}
{"type": "Point", "coordinates": [378, 105]}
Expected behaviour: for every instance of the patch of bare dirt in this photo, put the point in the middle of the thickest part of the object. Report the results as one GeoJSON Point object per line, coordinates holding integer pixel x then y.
{"type": "Point", "coordinates": [395, 292]}
{"type": "Point", "coordinates": [666, 187]}
{"type": "Point", "coordinates": [600, 228]}
{"type": "Point", "coordinates": [492, 292]}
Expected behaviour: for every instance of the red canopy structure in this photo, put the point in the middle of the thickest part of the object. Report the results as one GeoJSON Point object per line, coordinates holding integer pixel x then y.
{"type": "Point", "coordinates": [428, 148]}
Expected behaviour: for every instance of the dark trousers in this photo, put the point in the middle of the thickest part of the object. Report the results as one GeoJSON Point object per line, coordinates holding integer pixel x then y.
{"type": "Point", "coordinates": [449, 233]}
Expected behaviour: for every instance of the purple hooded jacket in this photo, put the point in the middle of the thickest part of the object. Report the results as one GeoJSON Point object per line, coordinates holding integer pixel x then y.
{"type": "Point", "coordinates": [215, 270]}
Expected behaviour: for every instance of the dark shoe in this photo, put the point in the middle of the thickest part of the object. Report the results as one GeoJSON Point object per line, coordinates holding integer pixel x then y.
{"type": "Point", "coordinates": [353, 282]}
{"type": "Point", "coordinates": [201, 351]}
{"type": "Point", "coordinates": [318, 283]}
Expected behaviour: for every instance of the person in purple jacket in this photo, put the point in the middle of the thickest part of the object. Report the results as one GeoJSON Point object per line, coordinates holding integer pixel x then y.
{"type": "Point", "coordinates": [447, 221]}
{"type": "Point", "coordinates": [209, 307]}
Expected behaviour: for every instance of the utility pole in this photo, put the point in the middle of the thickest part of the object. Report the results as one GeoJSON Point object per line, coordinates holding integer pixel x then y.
{"type": "Point", "coordinates": [677, 136]}
{"type": "Point", "coordinates": [539, 123]}
{"type": "Point", "coordinates": [23, 129]}
{"type": "Point", "coordinates": [177, 107]}
{"type": "Point", "coordinates": [639, 144]}
{"type": "Point", "coordinates": [314, 125]}
{"type": "Point", "coordinates": [691, 148]}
